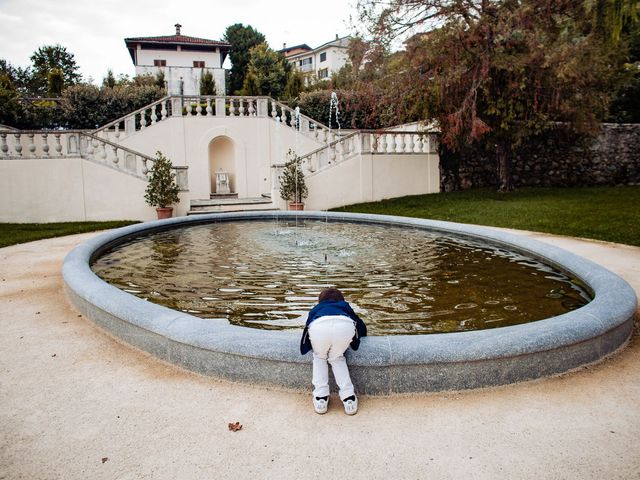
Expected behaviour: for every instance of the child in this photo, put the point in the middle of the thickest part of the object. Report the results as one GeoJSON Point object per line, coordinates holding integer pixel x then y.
{"type": "Point", "coordinates": [331, 327]}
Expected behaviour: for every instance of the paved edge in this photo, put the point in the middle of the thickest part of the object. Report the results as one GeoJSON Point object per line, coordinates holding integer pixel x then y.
{"type": "Point", "coordinates": [384, 364]}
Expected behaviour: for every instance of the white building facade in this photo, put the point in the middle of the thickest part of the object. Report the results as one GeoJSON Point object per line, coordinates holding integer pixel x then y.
{"type": "Point", "coordinates": [182, 59]}
{"type": "Point", "coordinates": [320, 62]}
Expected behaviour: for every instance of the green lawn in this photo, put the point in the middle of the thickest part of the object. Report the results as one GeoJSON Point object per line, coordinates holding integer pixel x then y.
{"type": "Point", "coordinates": [602, 213]}
{"type": "Point", "coordinates": [12, 233]}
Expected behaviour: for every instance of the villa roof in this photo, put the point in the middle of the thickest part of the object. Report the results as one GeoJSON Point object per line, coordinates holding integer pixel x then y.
{"type": "Point", "coordinates": [177, 40]}
{"type": "Point", "coordinates": [302, 46]}
{"type": "Point", "coordinates": [168, 41]}
{"type": "Point", "coordinates": [337, 42]}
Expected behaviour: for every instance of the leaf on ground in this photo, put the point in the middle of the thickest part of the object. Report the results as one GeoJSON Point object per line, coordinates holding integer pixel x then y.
{"type": "Point", "coordinates": [234, 427]}
{"type": "Point", "coordinates": [53, 355]}
{"type": "Point", "coordinates": [104, 459]}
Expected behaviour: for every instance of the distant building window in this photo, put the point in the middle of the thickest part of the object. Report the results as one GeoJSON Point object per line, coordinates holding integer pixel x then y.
{"type": "Point", "coordinates": [198, 64]}
{"type": "Point", "coordinates": [323, 56]}
{"type": "Point", "coordinates": [324, 73]}
{"type": "Point", "coordinates": [159, 63]}
{"type": "Point", "coordinates": [306, 61]}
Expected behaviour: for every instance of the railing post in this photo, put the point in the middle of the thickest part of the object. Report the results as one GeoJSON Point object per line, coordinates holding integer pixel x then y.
{"type": "Point", "coordinates": [130, 125]}
{"type": "Point", "coordinates": [58, 144]}
{"type": "Point", "coordinates": [176, 106]}
{"type": "Point", "coordinates": [163, 110]}
{"type": "Point", "coordinates": [17, 146]}
{"type": "Point", "coordinates": [45, 145]}
{"type": "Point", "coordinates": [32, 145]}
{"type": "Point", "coordinates": [209, 109]}
{"type": "Point", "coordinates": [263, 107]}
{"type": "Point", "coordinates": [221, 110]}
{"type": "Point", "coordinates": [4, 148]}
{"type": "Point", "coordinates": [365, 142]}
{"type": "Point", "coordinates": [182, 179]}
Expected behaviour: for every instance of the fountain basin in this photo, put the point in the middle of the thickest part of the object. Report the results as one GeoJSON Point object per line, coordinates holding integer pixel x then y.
{"type": "Point", "coordinates": [384, 364]}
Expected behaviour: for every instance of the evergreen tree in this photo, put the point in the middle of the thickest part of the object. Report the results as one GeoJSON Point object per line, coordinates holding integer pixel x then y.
{"type": "Point", "coordinates": [51, 57]}
{"type": "Point", "coordinates": [242, 40]}
{"type": "Point", "coordinates": [292, 184]}
{"type": "Point", "coordinates": [161, 190]}
{"type": "Point", "coordinates": [207, 84]}
{"type": "Point", "coordinates": [266, 72]}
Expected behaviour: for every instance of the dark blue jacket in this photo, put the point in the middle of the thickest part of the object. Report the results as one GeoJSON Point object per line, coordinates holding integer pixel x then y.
{"type": "Point", "coordinates": [330, 307]}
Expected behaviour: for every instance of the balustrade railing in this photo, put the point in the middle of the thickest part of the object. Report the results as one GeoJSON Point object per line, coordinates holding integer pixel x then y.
{"type": "Point", "coordinates": [26, 144]}
{"type": "Point", "coordinates": [374, 142]}
{"type": "Point", "coordinates": [214, 106]}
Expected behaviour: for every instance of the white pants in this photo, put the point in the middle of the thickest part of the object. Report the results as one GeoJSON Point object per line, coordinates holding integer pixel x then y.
{"type": "Point", "coordinates": [330, 337]}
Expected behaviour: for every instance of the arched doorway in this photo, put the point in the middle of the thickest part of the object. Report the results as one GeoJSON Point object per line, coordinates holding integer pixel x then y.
{"type": "Point", "coordinates": [221, 160]}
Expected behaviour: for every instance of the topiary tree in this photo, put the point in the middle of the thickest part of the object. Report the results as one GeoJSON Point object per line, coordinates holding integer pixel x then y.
{"type": "Point", "coordinates": [207, 84]}
{"type": "Point", "coordinates": [293, 187]}
{"type": "Point", "coordinates": [162, 190]}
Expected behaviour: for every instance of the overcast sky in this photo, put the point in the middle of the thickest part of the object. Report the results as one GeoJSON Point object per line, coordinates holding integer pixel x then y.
{"type": "Point", "coordinates": [94, 31]}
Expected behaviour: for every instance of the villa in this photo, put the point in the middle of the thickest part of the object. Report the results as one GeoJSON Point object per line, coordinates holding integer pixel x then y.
{"type": "Point", "coordinates": [322, 61]}
{"type": "Point", "coordinates": [182, 59]}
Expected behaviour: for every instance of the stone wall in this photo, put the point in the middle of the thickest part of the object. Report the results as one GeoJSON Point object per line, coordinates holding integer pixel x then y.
{"type": "Point", "coordinates": [557, 159]}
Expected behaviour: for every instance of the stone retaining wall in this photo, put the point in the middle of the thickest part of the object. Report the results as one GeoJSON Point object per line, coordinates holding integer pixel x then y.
{"type": "Point", "coordinates": [557, 159]}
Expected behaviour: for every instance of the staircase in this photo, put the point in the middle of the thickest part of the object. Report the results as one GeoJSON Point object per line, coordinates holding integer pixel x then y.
{"type": "Point", "coordinates": [230, 203]}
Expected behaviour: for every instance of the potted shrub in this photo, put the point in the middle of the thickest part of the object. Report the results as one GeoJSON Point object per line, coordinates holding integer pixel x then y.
{"type": "Point", "coordinates": [293, 188]}
{"type": "Point", "coordinates": [162, 191]}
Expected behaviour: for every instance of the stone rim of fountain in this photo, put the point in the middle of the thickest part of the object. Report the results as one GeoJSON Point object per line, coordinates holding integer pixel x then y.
{"type": "Point", "coordinates": [383, 364]}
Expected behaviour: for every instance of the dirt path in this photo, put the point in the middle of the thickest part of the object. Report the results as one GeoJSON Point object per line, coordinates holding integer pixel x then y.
{"type": "Point", "coordinates": [77, 404]}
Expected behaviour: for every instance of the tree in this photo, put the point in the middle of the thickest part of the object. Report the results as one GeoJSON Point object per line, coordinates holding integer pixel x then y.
{"type": "Point", "coordinates": [11, 111]}
{"type": "Point", "coordinates": [207, 84]}
{"type": "Point", "coordinates": [498, 73]}
{"type": "Point", "coordinates": [51, 57]}
{"type": "Point", "coordinates": [242, 40]}
{"type": "Point", "coordinates": [266, 72]}
{"type": "Point", "coordinates": [110, 80]}
{"type": "Point", "coordinates": [21, 78]}
{"type": "Point", "coordinates": [161, 190]}
{"type": "Point", "coordinates": [292, 184]}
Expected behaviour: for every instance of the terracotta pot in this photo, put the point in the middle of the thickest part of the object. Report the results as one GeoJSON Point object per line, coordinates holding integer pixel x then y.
{"type": "Point", "coordinates": [296, 206]}
{"type": "Point", "coordinates": [164, 212]}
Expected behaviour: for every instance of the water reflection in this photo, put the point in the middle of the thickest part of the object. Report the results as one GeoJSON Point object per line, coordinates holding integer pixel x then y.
{"type": "Point", "coordinates": [401, 280]}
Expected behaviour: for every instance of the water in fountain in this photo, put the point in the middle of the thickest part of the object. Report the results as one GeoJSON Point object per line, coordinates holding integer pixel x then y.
{"type": "Point", "coordinates": [404, 280]}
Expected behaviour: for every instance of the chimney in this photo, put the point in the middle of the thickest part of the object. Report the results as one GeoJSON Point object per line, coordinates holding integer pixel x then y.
{"type": "Point", "coordinates": [177, 25]}
{"type": "Point", "coordinates": [284, 46]}
{"type": "Point", "coordinates": [337, 38]}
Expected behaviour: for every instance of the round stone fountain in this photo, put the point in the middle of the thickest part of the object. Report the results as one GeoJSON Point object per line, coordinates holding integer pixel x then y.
{"type": "Point", "coordinates": [385, 363]}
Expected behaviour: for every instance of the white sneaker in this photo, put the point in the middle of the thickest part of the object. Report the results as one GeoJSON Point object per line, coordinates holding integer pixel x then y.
{"type": "Point", "coordinates": [350, 406]}
{"type": "Point", "coordinates": [320, 405]}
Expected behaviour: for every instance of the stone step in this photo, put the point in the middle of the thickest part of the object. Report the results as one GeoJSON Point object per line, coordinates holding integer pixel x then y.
{"type": "Point", "coordinates": [222, 196]}
{"type": "Point", "coordinates": [231, 205]}
{"type": "Point", "coordinates": [214, 202]}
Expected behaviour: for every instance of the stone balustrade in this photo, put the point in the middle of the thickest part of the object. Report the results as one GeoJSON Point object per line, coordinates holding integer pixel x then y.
{"type": "Point", "coordinates": [214, 106]}
{"type": "Point", "coordinates": [44, 144]}
{"type": "Point", "coordinates": [369, 142]}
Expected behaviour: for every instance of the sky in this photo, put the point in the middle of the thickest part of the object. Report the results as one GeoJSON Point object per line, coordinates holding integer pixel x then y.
{"type": "Point", "coordinates": [94, 31]}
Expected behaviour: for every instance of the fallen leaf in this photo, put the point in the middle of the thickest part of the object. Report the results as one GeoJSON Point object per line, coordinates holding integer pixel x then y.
{"type": "Point", "coordinates": [37, 313]}
{"type": "Point", "coordinates": [234, 427]}
{"type": "Point", "coordinates": [53, 355]}
{"type": "Point", "coordinates": [104, 459]}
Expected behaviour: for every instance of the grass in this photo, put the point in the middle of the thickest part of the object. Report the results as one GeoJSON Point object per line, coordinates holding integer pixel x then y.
{"type": "Point", "coordinates": [602, 213]}
{"type": "Point", "coordinates": [12, 233]}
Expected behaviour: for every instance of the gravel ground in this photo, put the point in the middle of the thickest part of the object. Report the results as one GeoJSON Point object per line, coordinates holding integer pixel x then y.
{"type": "Point", "coordinates": [77, 404]}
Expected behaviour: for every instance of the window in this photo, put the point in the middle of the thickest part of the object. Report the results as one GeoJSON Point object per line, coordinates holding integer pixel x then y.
{"type": "Point", "coordinates": [324, 73]}
{"type": "Point", "coordinates": [323, 56]}
{"type": "Point", "coordinates": [198, 64]}
{"type": "Point", "coordinates": [159, 63]}
{"type": "Point", "coordinates": [306, 61]}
